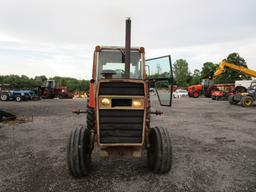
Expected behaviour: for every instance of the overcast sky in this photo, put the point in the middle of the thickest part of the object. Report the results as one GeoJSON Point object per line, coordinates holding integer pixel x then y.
{"type": "Point", "coordinates": [57, 37]}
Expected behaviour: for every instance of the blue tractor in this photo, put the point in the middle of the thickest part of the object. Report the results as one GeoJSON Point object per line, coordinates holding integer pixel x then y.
{"type": "Point", "coordinates": [17, 95]}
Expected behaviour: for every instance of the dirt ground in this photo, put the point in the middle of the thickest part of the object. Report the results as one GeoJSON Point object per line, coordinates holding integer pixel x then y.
{"type": "Point", "coordinates": [214, 149]}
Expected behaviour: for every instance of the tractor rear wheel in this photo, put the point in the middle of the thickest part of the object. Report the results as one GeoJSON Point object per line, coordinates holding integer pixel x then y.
{"type": "Point", "coordinates": [4, 97]}
{"type": "Point", "coordinates": [159, 153]}
{"type": "Point", "coordinates": [148, 119]}
{"type": "Point", "coordinates": [247, 101]}
{"type": "Point", "coordinates": [231, 100]}
{"type": "Point", "coordinates": [90, 119]}
{"type": "Point", "coordinates": [79, 152]}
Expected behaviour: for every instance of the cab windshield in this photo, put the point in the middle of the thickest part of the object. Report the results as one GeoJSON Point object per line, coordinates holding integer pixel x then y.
{"type": "Point", "coordinates": [113, 62]}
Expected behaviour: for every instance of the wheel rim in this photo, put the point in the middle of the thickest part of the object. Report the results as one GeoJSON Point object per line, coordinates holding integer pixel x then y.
{"type": "Point", "coordinates": [4, 97]}
{"type": "Point", "coordinates": [18, 99]}
{"type": "Point", "coordinates": [248, 102]}
{"type": "Point", "coordinates": [195, 94]}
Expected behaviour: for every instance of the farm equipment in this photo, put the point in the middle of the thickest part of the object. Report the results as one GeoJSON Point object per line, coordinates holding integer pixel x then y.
{"type": "Point", "coordinates": [246, 98]}
{"type": "Point", "coordinates": [241, 86]}
{"type": "Point", "coordinates": [223, 91]}
{"type": "Point", "coordinates": [17, 95]}
{"type": "Point", "coordinates": [118, 114]}
{"type": "Point", "coordinates": [6, 116]}
{"type": "Point", "coordinates": [50, 90]}
{"type": "Point", "coordinates": [243, 95]}
{"type": "Point", "coordinates": [205, 88]}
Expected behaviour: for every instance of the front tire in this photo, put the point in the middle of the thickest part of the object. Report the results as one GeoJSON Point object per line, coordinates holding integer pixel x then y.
{"type": "Point", "coordinates": [18, 98]}
{"type": "Point", "coordinates": [159, 152]}
{"type": "Point", "coordinates": [79, 152]}
{"type": "Point", "coordinates": [247, 101]}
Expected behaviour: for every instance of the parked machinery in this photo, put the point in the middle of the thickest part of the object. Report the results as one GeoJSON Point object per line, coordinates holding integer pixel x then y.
{"type": "Point", "coordinates": [223, 91]}
{"type": "Point", "coordinates": [50, 90]}
{"type": "Point", "coordinates": [17, 95]}
{"type": "Point", "coordinates": [118, 115]}
{"type": "Point", "coordinates": [246, 98]}
{"type": "Point", "coordinates": [205, 88]}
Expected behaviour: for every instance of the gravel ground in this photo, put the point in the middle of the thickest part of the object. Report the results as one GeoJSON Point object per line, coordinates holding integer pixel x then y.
{"type": "Point", "coordinates": [214, 149]}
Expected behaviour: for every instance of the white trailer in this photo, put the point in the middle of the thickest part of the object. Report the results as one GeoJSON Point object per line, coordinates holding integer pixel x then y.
{"type": "Point", "coordinates": [243, 83]}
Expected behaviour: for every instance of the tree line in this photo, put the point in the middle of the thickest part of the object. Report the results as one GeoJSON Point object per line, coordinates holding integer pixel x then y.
{"type": "Point", "coordinates": [183, 77]}
{"type": "Point", "coordinates": [24, 82]}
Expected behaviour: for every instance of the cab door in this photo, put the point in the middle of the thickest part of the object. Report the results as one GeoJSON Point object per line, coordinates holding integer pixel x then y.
{"type": "Point", "coordinates": [160, 76]}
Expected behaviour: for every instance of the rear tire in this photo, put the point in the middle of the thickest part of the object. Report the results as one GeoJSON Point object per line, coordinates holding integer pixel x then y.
{"type": "Point", "coordinates": [79, 152]}
{"type": "Point", "coordinates": [148, 112]}
{"type": "Point", "coordinates": [159, 152]}
{"type": "Point", "coordinates": [231, 100]}
{"type": "Point", "coordinates": [90, 118]}
{"type": "Point", "coordinates": [247, 101]}
{"type": "Point", "coordinates": [4, 97]}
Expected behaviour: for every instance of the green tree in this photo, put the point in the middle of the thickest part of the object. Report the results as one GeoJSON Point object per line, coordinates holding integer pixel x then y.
{"type": "Point", "coordinates": [196, 77]}
{"type": "Point", "coordinates": [41, 78]}
{"type": "Point", "coordinates": [230, 75]}
{"type": "Point", "coordinates": [181, 73]}
{"type": "Point", "coordinates": [208, 70]}
{"type": "Point", "coordinates": [24, 82]}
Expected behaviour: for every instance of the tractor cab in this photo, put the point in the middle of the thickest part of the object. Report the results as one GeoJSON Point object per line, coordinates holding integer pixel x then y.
{"type": "Point", "coordinates": [252, 89]}
{"type": "Point", "coordinates": [111, 63]}
{"type": "Point", "coordinates": [253, 85]}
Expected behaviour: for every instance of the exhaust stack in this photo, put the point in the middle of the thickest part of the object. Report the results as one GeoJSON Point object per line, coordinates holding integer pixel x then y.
{"type": "Point", "coordinates": [127, 47]}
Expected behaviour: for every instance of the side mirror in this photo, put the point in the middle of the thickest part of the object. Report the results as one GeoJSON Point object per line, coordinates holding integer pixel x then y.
{"type": "Point", "coordinates": [160, 76]}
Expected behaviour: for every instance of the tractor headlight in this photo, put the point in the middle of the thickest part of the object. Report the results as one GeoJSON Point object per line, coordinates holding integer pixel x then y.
{"type": "Point", "coordinates": [105, 102]}
{"type": "Point", "coordinates": [137, 103]}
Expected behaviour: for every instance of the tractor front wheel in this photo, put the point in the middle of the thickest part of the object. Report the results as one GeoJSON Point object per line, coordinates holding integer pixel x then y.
{"type": "Point", "coordinates": [159, 152]}
{"type": "Point", "coordinates": [79, 152]}
{"type": "Point", "coordinates": [195, 94]}
{"type": "Point", "coordinates": [247, 101]}
{"type": "Point", "coordinates": [18, 98]}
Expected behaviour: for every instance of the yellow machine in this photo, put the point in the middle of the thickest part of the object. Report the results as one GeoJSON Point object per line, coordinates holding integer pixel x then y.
{"type": "Point", "coordinates": [224, 63]}
{"type": "Point", "coordinates": [246, 98]}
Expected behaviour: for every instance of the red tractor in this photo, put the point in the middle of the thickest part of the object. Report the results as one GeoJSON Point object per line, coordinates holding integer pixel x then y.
{"type": "Point", "coordinates": [205, 88]}
{"type": "Point", "coordinates": [223, 91]}
{"type": "Point", "coordinates": [118, 113]}
{"type": "Point", "coordinates": [50, 90]}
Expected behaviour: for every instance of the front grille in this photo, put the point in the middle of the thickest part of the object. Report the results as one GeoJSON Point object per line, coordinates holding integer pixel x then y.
{"type": "Point", "coordinates": [121, 102]}
{"type": "Point", "coordinates": [121, 88]}
{"type": "Point", "coordinates": [121, 126]}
